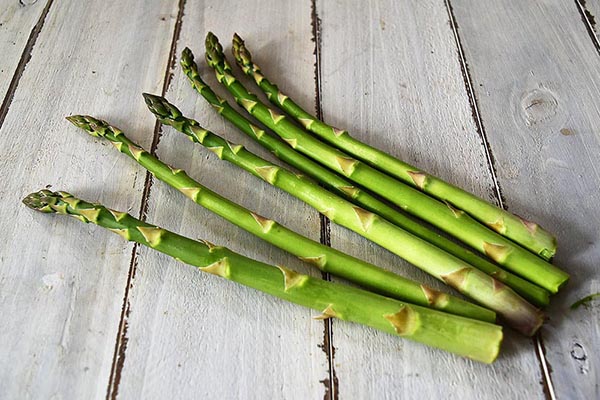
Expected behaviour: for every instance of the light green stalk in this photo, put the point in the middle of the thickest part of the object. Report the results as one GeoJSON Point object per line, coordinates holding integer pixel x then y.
{"type": "Point", "coordinates": [443, 266]}
{"type": "Point", "coordinates": [346, 188]}
{"type": "Point", "coordinates": [467, 337]}
{"type": "Point", "coordinates": [411, 200]}
{"type": "Point", "coordinates": [526, 233]}
{"type": "Point", "coordinates": [323, 257]}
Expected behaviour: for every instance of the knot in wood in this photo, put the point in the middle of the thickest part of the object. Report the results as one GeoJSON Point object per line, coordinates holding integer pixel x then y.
{"type": "Point", "coordinates": [538, 106]}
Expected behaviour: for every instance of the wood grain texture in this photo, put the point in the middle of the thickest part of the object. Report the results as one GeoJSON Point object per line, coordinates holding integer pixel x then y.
{"type": "Point", "coordinates": [193, 335]}
{"type": "Point", "coordinates": [390, 74]}
{"type": "Point", "coordinates": [535, 72]}
{"type": "Point", "coordinates": [16, 22]}
{"type": "Point", "coordinates": [61, 282]}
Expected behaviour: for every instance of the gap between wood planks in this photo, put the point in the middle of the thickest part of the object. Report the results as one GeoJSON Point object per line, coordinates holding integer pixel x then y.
{"type": "Point", "coordinates": [538, 341]}
{"type": "Point", "coordinates": [590, 23]}
{"type": "Point", "coordinates": [121, 339]}
{"type": "Point", "coordinates": [25, 57]}
{"type": "Point", "coordinates": [331, 382]}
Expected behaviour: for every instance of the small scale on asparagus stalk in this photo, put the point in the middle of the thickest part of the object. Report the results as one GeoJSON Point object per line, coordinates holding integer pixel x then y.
{"type": "Point", "coordinates": [318, 255]}
{"type": "Point", "coordinates": [346, 189]}
{"type": "Point", "coordinates": [526, 233]}
{"type": "Point", "coordinates": [455, 272]}
{"type": "Point", "coordinates": [466, 337]}
{"type": "Point", "coordinates": [446, 217]}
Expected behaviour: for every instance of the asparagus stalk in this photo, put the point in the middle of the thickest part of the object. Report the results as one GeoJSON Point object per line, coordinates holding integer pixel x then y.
{"type": "Point", "coordinates": [443, 266]}
{"type": "Point", "coordinates": [444, 216]}
{"type": "Point", "coordinates": [345, 188]}
{"type": "Point", "coordinates": [323, 257]}
{"type": "Point", "coordinates": [526, 233]}
{"type": "Point", "coordinates": [470, 338]}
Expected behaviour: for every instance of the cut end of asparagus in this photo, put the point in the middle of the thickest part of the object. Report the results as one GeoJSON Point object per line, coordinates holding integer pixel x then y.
{"type": "Point", "coordinates": [563, 282]}
{"type": "Point", "coordinates": [547, 254]}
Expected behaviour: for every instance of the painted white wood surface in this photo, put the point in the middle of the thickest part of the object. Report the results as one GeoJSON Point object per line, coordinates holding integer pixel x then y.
{"type": "Point", "coordinates": [541, 109]}
{"type": "Point", "coordinates": [62, 282]}
{"type": "Point", "coordinates": [205, 336]}
{"type": "Point", "coordinates": [391, 76]}
{"type": "Point", "coordinates": [16, 22]}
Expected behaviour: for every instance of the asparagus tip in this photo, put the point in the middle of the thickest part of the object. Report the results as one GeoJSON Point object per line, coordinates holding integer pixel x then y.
{"type": "Point", "coordinates": [160, 107]}
{"type": "Point", "coordinates": [187, 58]}
{"type": "Point", "coordinates": [240, 52]}
{"type": "Point", "coordinates": [34, 201]}
{"type": "Point", "coordinates": [79, 121]}
{"type": "Point", "coordinates": [214, 50]}
{"type": "Point", "coordinates": [42, 200]}
{"type": "Point", "coordinates": [93, 126]}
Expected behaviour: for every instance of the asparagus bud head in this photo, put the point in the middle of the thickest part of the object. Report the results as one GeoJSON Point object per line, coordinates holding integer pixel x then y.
{"type": "Point", "coordinates": [93, 126]}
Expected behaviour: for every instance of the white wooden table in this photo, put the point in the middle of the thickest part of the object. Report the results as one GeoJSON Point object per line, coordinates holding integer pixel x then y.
{"type": "Point", "coordinates": [499, 97]}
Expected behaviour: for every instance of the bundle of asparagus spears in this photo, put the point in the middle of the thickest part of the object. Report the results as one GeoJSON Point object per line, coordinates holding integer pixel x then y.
{"type": "Point", "coordinates": [349, 182]}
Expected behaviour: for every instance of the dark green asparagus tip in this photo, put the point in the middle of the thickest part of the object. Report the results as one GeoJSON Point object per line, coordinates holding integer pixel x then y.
{"type": "Point", "coordinates": [214, 50]}
{"type": "Point", "coordinates": [187, 58]}
{"type": "Point", "coordinates": [93, 126]}
{"type": "Point", "coordinates": [240, 52]}
{"type": "Point", "coordinates": [161, 108]}
{"type": "Point", "coordinates": [43, 200]}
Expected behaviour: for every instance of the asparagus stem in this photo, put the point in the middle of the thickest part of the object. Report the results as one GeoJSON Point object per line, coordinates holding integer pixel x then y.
{"type": "Point", "coordinates": [346, 188]}
{"type": "Point", "coordinates": [411, 200]}
{"type": "Point", "coordinates": [470, 338]}
{"type": "Point", "coordinates": [526, 233]}
{"type": "Point", "coordinates": [443, 266]}
{"type": "Point", "coordinates": [323, 257]}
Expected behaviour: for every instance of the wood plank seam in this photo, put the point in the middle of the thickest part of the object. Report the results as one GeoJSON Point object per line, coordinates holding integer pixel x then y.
{"type": "Point", "coordinates": [590, 23]}
{"type": "Point", "coordinates": [474, 106]}
{"type": "Point", "coordinates": [331, 382]}
{"type": "Point", "coordinates": [25, 57]}
{"type": "Point", "coordinates": [121, 337]}
{"type": "Point", "coordinates": [537, 339]}
{"type": "Point", "coordinates": [541, 352]}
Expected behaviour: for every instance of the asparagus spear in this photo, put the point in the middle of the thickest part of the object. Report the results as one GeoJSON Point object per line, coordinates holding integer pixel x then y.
{"type": "Point", "coordinates": [526, 233]}
{"type": "Point", "coordinates": [443, 266]}
{"type": "Point", "coordinates": [345, 188]}
{"type": "Point", "coordinates": [470, 338]}
{"type": "Point", "coordinates": [444, 216]}
{"type": "Point", "coordinates": [323, 257]}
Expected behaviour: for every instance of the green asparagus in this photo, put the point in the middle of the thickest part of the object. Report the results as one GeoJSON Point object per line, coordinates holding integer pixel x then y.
{"type": "Point", "coordinates": [319, 255]}
{"type": "Point", "coordinates": [470, 338]}
{"type": "Point", "coordinates": [345, 188]}
{"type": "Point", "coordinates": [444, 216]}
{"type": "Point", "coordinates": [443, 266]}
{"type": "Point", "coordinates": [526, 233]}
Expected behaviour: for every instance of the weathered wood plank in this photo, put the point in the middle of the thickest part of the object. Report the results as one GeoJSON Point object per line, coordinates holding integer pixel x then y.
{"type": "Point", "coordinates": [535, 73]}
{"type": "Point", "coordinates": [191, 335]}
{"type": "Point", "coordinates": [61, 283]}
{"type": "Point", "coordinates": [391, 75]}
{"type": "Point", "coordinates": [17, 20]}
